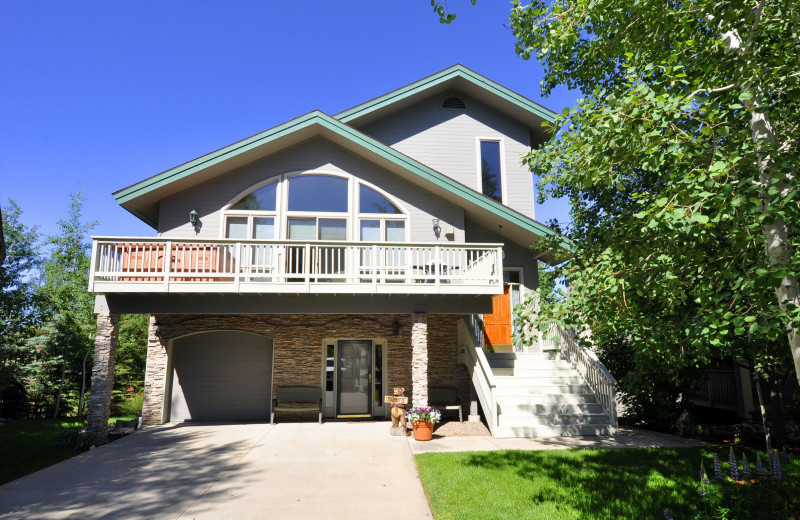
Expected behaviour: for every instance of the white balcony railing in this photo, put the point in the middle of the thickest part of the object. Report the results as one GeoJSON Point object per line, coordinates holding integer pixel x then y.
{"type": "Point", "coordinates": [259, 266]}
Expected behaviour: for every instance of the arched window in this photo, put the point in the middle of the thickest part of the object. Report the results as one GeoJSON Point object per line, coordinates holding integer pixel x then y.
{"type": "Point", "coordinates": [315, 206]}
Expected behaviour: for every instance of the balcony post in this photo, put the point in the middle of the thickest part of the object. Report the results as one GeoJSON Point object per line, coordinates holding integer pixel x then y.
{"type": "Point", "coordinates": [105, 357]}
{"type": "Point", "coordinates": [419, 359]}
{"type": "Point", "coordinates": [93, 265]}
{"type": "Point", "coordinates": [167, 264]}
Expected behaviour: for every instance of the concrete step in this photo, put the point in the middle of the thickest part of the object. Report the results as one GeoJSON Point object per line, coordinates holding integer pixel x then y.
{"type": "Point", "coordinates": [540, 380]}
{"type": "Point", "coordinates": [566, 430]}
{"type": "Point", "coordinates": [530, 389]}
{"type": "Point", "coordinates": [505, 356]}
{"type": "Point", "coordinates": [530, 364]}
{"type": "Point", "coordinates": [535, 372]}
{"type": "Point", "coordinates": [556, 419]}
{"type": "Point", "coordinates": [522, 398]}
{"type": "Point", "coordinates": [518, 407]}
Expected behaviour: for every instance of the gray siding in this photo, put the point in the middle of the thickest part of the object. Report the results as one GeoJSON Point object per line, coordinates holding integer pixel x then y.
{"type": "Point", "coordinates": [446, 140]}
{"type": "Point", "coordinates": [516, 255]}
{"type": "Point", "coordinates": [315, 154]}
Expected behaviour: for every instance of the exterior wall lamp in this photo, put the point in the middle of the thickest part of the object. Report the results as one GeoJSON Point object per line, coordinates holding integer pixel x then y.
{"type": "Point", "coordinates": [193, 219]}
{"type": "Point", "coordinates": [395, 328]}
{"type": "Point", "coordinates": [437, 229]}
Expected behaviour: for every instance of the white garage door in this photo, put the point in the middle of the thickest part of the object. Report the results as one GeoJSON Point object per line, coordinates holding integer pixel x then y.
{"type": "Point", "coordinates": [221, 376]}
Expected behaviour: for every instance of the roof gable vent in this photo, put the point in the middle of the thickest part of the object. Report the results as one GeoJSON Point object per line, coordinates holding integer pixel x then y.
{"type": "Point", "coordinates": [454, 103]}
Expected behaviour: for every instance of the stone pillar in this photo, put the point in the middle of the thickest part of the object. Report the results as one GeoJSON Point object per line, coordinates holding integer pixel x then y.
{"type": "Point", "coordinates": [105, 357]}
{"type": "Point", "coordinates": [155, 377]}
{"type": "Point", "coordinates": [419, 359]}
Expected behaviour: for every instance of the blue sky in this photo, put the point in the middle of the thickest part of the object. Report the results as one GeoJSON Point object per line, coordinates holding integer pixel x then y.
{"type": "Point", "coordinates": [100, 95]}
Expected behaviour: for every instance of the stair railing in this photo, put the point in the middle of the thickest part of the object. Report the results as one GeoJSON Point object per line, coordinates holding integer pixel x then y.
{"type": "Point", "coordinates": [480, 372]}
{"type": "Point", "coordinates": [591, 369]}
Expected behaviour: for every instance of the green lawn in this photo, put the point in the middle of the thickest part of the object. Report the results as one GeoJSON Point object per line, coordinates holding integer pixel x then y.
{"type": "Point", "coordinates": [594, 484]}
{"type": "Point", "coordinates": [26, 445]}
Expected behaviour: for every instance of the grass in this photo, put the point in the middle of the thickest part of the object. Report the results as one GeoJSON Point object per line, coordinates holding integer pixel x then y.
{"type": "Point", "coordinates": [26, 445]}
{"type": "Point", "coordinates": [582, 484]}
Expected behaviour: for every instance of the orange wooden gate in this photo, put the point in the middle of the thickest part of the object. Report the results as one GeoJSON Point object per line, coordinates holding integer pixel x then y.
{"type": "Point", "coordinates": [497, 325]}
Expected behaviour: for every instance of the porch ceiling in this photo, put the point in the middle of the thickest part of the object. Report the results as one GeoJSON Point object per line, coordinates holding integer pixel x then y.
{"type": "Point", "coordinates": [149, 303]}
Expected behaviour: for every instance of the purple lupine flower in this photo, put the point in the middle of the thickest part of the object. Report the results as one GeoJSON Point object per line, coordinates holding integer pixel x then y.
{"type": "Point", "coordinates": [777, 471]}
{"type": "Point", "coordinates": [734, 465]}
{"type": "Point", "coordinates": [785, 456]}
{"type": "Point", "coordinates": [667, 515]}
{"type": "Point", "coordinates": [717, 467]}
{"type": "Point", "coordinates": [745, 467]}
{"type": "Point", "coordinates": [759, 466]}
{"type": "Point", "coordinates": [703, 474]}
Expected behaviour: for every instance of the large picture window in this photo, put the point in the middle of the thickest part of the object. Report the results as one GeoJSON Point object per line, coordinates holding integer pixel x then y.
{"type": "Point", "coordinates": [315, 206]}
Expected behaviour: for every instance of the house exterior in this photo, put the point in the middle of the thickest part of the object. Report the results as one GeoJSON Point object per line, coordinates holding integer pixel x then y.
{"type": "Point", "coordinates": [383, 246]}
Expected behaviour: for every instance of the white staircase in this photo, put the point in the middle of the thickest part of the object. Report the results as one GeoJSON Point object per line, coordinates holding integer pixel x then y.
{"type": "Point", "coordinates": [542, 395]}
{"type": "Point", "coordinates": [567, 391]}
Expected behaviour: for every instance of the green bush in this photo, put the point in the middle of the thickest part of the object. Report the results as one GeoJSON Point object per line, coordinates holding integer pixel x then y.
{"type": "Point", "coordinates": [73, 439]}
{"type": "Point", "coordinates": [131, 406]}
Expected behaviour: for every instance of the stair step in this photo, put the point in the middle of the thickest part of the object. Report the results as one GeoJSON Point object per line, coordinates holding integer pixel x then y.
{"type": "Point", "coordinates": [534, 364]}
{"type": "Point", "coordinates": [566, 430]}
{"type": "Point", "coordinates": [520, 398]}
{"type": "Point", "coordinates": [529, 389]}
{"type": "Point", "coordinates": [555, 419]}
{"type": "Point", "coordinates": [526, 407]}
{"type": "Point", "coordinates": [535, 372]}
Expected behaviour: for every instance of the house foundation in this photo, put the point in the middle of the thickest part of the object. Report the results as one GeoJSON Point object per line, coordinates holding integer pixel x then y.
{"type": "Point", "coordinates": [420, 351]}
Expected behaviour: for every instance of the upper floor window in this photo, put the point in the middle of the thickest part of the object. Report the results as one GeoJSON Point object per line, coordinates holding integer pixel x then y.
{"type": "Point", "coordinates": [491, 178]}
{"type": "Point", "coordinates": [315, 206]}
{"type": "Point", "coordinates": [318, 193]}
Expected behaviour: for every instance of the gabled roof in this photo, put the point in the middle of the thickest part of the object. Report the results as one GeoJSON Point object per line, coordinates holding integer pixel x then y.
{"type": "Point", "coordinates": [142, 199]}
{"type": "Point", "coordinates": [456, 77]}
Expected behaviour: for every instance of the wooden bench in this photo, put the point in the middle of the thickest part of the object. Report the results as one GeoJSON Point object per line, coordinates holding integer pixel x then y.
{"type": "Point", "coordinates": [297, 394]}
{"type": "Point", "coordinates": [445, 398]}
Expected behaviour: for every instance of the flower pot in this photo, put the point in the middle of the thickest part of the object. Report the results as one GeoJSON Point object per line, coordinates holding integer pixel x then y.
{"type": "Point", "coordinates": [423, 431]}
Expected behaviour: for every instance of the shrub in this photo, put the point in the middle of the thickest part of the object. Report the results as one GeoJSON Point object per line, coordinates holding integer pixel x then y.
{"type": "Point", "coordinates": [131, 406]}
{"type": "Point", "coordinates": [74, 439]}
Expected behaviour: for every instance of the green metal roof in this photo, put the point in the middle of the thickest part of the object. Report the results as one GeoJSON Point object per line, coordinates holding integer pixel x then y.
{"type": "Point", "coordinates": [361, 140]}
{"type": "Point", "coordinates": [456, 72]}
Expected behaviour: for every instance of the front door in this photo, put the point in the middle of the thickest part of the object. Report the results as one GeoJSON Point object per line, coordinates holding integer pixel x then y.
{"type": "Point", "coordinates": [497, 325]}
{"type": "Point", "coordinates": [354, 367]}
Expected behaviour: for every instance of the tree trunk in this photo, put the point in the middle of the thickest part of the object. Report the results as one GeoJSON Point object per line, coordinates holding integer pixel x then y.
{"type": "Point", "coordinates": [60, 388]}
{"type": "Point", "coordinates": [776, 234]}
{"type": "Point", "coordinates": [778, 416]}
{"type": "Point", "coordinates": [763, 415]}
{"type": "Point", "coordinates": [83, 385]}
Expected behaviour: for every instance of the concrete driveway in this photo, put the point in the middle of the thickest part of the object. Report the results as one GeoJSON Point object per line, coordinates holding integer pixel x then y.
{"type": "Point", "coordinates": [292, 470]}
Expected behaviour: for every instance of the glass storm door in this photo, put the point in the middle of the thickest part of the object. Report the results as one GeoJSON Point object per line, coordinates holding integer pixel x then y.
{"type": "Point", "coordinates": [354, 367]}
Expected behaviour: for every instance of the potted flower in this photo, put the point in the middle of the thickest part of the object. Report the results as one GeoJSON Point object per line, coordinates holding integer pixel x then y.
{"type": "Point", "coordinates": [422, 419]}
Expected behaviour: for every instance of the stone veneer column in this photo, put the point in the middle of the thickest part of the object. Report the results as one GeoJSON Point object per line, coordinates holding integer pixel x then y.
{"type": "Point", "coordinates": [105, 357]}
{"type": "Point", "coordinates": [419, 359]}
{"type": "Point", "coordinates": [155, 378]}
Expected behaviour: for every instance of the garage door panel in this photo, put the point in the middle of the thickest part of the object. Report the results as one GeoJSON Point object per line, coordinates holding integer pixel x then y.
{"type": "Point", "coordinates": [221, 376]}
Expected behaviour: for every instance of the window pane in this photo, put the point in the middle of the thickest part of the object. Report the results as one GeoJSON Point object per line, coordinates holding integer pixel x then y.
{"type": "Point", "coordinates": [317, 193]}
{"type": "Point", "coordinates": [370, 201]}
{"type": "Point", "coordinates": [395, 231]}
{"type": "Point", "coordinates": [263, 228]}
{"type": "Point", "coordinates": [371, 230]}
{"type": "Point", "coordinates": [490, 170]}
{"type": "Point", "coordinates": [236, 227]}
{"type": "Point", "coordinates": [302, 229]}
{"type": "Point", "coordinates": [332, 229]}
{"type": "Point", "coordinates": [262, 199]}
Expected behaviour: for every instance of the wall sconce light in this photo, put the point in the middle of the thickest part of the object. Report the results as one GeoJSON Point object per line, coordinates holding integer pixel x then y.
{"type": "Point", "coordinates": [437, 229]}
{"type": "Point", "coordinates": [395, 328]}
{"type": "Point", "coordinates": [157, 329]}
{"type": "Point", "coordinates": [193, 218]}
